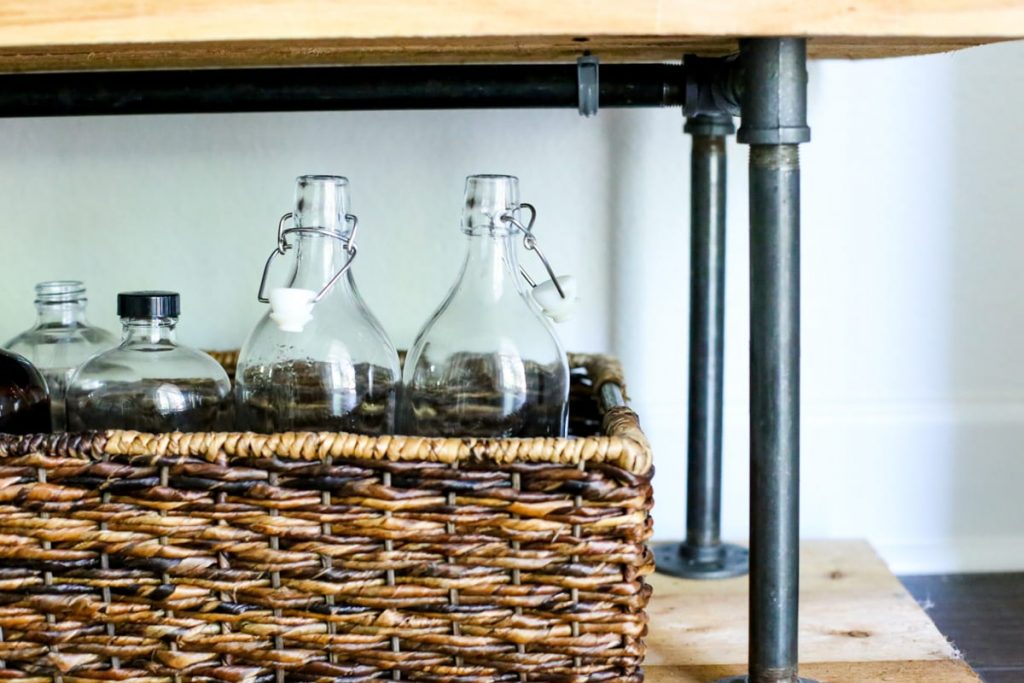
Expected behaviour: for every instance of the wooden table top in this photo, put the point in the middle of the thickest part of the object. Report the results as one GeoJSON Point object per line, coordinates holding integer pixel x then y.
{"type": "Point", "coordinates": [105, 34]}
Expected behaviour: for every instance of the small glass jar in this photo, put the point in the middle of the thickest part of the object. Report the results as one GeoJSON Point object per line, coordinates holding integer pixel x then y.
{"type": "Point", "coordinates": [488, 362]}
{"type": "Point", "coordinates": [318, 360]}
{"type": "Point", "coordinates": [24, 402]}
{"type": "Point", "coordinates": [61, 339]}
{"type": "Point", "coordinates": [149, 382]}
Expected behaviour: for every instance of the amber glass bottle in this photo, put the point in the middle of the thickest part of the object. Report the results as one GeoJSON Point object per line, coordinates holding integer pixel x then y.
{"type": "Point", "coordinates": [24, 401]}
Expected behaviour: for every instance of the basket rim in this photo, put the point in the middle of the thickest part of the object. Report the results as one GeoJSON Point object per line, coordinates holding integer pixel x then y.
{"type": "Point", "coordinates": [623, 444]}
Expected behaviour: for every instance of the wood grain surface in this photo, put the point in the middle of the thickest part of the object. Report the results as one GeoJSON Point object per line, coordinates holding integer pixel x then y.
{"type": "Point", "coordinates": [857, 623]}
{"type": "Point", "coordinates": [94, 34]}
{"type": "Point", "coordinates": [834, 672]}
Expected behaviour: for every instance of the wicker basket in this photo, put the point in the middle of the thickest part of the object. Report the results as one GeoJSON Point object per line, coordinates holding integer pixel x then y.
{"type": "Point", "coordinates": [160, 558]}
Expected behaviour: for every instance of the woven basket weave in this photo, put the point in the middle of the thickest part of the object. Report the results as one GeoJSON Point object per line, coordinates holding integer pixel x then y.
{"type": "Point", "coordinates": [328, 557]}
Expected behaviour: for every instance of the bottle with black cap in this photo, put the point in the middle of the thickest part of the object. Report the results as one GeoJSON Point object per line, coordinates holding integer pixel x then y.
{"type": "Point", "coordinates": [149, 382]}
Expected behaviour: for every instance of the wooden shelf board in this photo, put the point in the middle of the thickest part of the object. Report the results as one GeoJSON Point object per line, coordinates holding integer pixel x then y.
{"type": "Point", "coordinates": [105, 34]}
{"type": "Point", "coordinates": [418, 51]}
{"type": "Point", "coordinates": [857, 623]}
{"type": "Point", "coordinates": [834, 672]}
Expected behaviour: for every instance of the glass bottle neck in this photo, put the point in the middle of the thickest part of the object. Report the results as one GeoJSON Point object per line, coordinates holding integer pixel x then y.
{"type": "Point", "coordinates": [491, 267]}
{"type": "Point", "coordinates": [64, 314]}
{"type": "Point", "coordinates": [318, 259]}
{"type": "Point", "coordinates": [148, 330]}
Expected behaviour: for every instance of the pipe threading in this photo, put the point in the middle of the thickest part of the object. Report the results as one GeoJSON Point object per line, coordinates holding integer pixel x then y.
{"type": "Point", "coordinates": [779, 157]}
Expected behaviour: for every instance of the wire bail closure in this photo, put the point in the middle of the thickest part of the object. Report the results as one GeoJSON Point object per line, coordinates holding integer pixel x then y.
{"type": "Point", "coordinates": [530, 243]}
{"type": "Point", "coordinates": [283, 246]}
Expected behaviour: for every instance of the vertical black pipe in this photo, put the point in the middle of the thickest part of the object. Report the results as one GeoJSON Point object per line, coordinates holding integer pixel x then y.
{"type": "Point", "coordinates": [774, 410]}
{"type": "Point", "coordinates": [707, 319]}
{"type": "Point", "coordinates": [774, 110]}
{"type": "Point", "coordinates": [702, 555]}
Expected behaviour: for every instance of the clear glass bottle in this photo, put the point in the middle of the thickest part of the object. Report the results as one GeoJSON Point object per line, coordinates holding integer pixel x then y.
{"type": "Point", "coordinates": [61, 339]}
{"type": "Point", "coordinates": [334, 368]}
{"type": "Point", "coordinates": [24, 402]}
{"type": "Point", "coordinates": [149, 382]}
{"type": "Point", "coordinates": [488, 363]}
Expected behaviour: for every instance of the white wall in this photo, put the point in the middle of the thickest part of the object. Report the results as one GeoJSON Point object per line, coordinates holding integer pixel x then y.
{"type": "Point", "coordinates": [913, 413]}
{"type": "Point", "coordinates": [913, 392]}
{"type": "Point", "coordinates": [191, 203]}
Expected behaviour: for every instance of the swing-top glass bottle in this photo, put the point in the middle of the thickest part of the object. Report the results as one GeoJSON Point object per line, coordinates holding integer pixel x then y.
{"type": "Point", "coordinates": [318, 360]}
{"type": "Point", "coordinates": [488, 363]}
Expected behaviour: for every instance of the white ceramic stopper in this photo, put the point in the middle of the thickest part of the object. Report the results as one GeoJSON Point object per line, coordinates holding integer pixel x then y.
{"type": "Point", "coordinates": [554, 306]}
{"type": "Point", "coordinates": [291, 308]}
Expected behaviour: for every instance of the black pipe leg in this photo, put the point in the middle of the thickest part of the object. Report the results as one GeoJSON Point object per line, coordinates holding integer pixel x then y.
{"type": "Point", "coordinates": [703, 555]}
{"type": "Point", "coordinates": [775, 411]}
{"type": "Point", "coordinates": [774, 124]}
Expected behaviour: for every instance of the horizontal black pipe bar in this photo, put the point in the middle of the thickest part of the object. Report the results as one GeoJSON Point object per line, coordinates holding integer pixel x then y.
{"type": "Point", "coordinates": [332, 88]}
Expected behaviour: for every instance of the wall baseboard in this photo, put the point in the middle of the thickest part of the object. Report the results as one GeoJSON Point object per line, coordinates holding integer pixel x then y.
{"type": "Point", "coordinates": [953, 555]}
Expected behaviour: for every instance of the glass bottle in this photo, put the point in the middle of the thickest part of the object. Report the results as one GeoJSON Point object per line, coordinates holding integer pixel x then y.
{"type": "Point", "coordinates": [24, 402]}
{"type": "Point", "coordinates": [332, 367]}
{"type": "Point", "coordinates": [149, 382]}
{"type": "Point", "coordinates": [487, 363]}
{"type": "Point", "coordinates": [61, 339]}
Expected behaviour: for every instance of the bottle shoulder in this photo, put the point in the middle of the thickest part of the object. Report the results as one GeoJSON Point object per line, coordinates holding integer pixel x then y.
{"type": "Point", "coordinates": [335, 334]}
{"type": "Point", "coordinates": [512, 325]}
{"type": "Point", "coordinates": [136, 361]}
{"type": "Point", "coordinates": [61, 346]}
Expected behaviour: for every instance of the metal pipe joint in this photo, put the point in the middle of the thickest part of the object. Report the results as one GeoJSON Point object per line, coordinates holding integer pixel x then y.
{"type": "Point", "coordinates": [713, 86]}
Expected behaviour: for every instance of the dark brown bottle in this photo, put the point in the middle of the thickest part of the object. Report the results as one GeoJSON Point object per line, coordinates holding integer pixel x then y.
{"type": "Point", "coordinates": [24, 401]}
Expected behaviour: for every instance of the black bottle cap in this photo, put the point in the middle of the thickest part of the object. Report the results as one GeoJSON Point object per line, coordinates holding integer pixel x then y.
{"type": "Point", "coordinates": [148, 305]}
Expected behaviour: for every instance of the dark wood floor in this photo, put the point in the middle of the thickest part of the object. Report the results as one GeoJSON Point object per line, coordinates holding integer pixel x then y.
{"type": "Point", "coordinates": [982, 614]}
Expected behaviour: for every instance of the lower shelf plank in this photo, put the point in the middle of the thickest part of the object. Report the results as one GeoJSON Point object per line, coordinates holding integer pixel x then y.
{"type": "Point", "coordinates": [857, 624]}
{"type": "Point", "coordinates": [832, 672]}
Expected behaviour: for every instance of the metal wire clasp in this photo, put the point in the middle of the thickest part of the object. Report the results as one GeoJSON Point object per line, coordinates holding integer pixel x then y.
{"type": "Point", "coordinates": [530, 243]}
{"type": "Point", "coordinates": [283, 246]}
